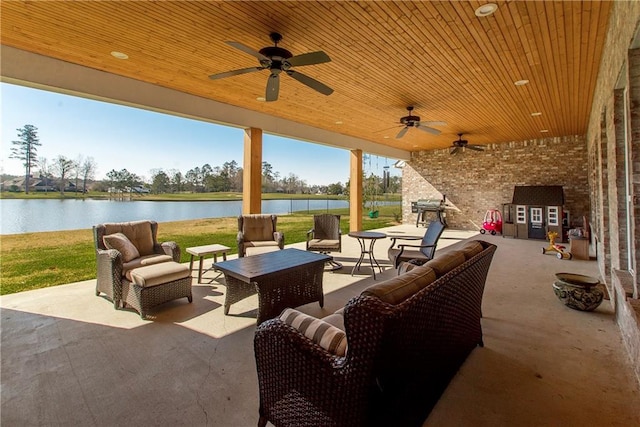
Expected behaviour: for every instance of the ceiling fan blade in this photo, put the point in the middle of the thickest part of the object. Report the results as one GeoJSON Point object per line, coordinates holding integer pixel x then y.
{"type": "Point", "coordinates": [234, 73]}
{"type": "Point", "coordinates": [247, 49]}
{"type": "Point", "coordinates": [312, 83]}
{"type": "Point", "coordinates": [402, 132]}
{"type": "Point", "coordinates": [428, 129]}
{"type": "Point", "coordinates": [386, 129]}
{"type": "Point", "coordinates": [273, 87]}
{"type": "Point", "coordinates": [310, 58]}
{"type": "Point", "coordinates": [436, 123]}
{"type": "Point", "coordinates": [454, 150]}
{"type": "Point", "coordinates": [475, 147]}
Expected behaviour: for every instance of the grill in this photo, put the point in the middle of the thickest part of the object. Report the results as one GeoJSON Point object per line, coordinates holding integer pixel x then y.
{"type": "Point", "coordinates": [424, 206]}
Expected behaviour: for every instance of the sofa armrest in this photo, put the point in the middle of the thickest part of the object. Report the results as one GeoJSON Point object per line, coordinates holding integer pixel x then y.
{"type": "Point", "coordinates": [109, 274]}
{"type": "Point", "coordinates": [169, 248]}
{"type": "Point", "coordinates": [278, 236]}
{"type": "Point", "coordinates": [289, 367]}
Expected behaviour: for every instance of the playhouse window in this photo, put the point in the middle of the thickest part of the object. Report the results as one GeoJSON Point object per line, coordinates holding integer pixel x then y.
{"type": "Point", "coordinates": [521, 214]}
{"type": "Point", "coordinates": [552, 216]}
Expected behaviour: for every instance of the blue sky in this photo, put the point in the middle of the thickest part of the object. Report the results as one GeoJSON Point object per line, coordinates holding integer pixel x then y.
{"type": "Point", "coordinates": [119, 137]}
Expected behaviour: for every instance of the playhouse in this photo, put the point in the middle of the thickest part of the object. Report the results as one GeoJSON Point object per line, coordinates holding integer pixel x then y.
{"type": "Point", "coordinates": [534, 211]}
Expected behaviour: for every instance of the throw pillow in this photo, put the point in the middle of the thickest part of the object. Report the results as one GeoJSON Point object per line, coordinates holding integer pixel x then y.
{"type": "Point", "coordinates": [122, 244]}
{"type": "Point", "coordinates": [471, 248]}
{"type": "Point", "coordinates": [320, 332]}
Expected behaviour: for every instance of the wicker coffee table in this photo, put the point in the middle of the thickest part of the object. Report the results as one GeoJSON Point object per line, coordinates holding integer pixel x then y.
{"type": "Point", "coordinates": [285, 278]}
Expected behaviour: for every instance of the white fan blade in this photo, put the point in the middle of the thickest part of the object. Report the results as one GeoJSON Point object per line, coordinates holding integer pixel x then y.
{"type": "Point", "coordinates": [312, 83]}
{"type": "Point", "coordinates": [428, 130]}
{"type": "Point", "coordinates": [475, 147]}
{"type": "Point", "coordinates": [234, 73]}
{"type": "Point", "coordinates": [273, 87]}
{"type": "Point", "coordinates": [247, 49]}
{"type": "Point", "coordinates": [402, 132]}
{"type": "Point", "coordinates": [436, 123]}
{"type": "Point", "coordinates": [310, 58]}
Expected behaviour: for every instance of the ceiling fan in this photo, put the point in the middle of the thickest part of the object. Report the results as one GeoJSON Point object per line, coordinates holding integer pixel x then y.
{"type": "Point", "coordinates": [463, 143]}
{"type": "Point", "coordinates": [279, 60]}
{"type": "Point", "coordinates": [414, 121]}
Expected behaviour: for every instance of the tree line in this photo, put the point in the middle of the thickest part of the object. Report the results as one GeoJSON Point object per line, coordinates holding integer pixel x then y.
{"type": "Point", "coordinates": [200, 179]}
{"type": "Point", "coordinates": [81, 170]}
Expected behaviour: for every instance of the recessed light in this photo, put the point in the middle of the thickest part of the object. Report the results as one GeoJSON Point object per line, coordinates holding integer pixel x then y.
{"type": "Point", "coordinates": [536, 114]}
{"type": "Point", "coordinates": [386, 137]}
{"type": "Point", "coordinates": [544, 130]}
{"type": "Point", "coordinates": [486, 9]}
{"type": "Point", "coordinates": [521, 82]}
{"type": "Point", "coordinates": [339, 122]}
{"type": "Point", "coordinates": [119, 55]}
{"type": "Point", "coordinates": [261, 99]}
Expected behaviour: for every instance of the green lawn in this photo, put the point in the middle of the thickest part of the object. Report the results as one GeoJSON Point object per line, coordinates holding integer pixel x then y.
{"type": "Point", "coordinates": [38, 260]}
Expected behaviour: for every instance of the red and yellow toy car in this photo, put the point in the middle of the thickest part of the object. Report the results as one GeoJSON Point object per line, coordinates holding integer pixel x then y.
{"type": "Point", "coordinates": [492, 222]}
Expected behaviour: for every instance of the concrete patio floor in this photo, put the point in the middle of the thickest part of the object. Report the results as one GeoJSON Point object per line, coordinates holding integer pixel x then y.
{"type": "Point", "coordinates": [69, 358]}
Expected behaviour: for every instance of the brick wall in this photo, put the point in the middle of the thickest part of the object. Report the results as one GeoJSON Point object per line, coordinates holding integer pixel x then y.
{"type": "Point", "coordinates": [477, 181]}
{"type": "Point", "coordinates": [619, 68]}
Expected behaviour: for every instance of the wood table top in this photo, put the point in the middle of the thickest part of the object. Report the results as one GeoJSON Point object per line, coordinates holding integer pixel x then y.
{"type": "Point", "coordinates": [252, 268]}
{"type": "Point", "coordinates": [207, 249]}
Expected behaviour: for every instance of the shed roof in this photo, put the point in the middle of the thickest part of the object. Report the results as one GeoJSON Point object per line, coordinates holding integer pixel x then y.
{"type": "Point", "coordinates": [545, 195]}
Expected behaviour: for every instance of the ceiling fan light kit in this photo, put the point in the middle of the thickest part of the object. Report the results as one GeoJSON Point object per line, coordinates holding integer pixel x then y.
{"type": "Point", "coordinates": [278, 60]}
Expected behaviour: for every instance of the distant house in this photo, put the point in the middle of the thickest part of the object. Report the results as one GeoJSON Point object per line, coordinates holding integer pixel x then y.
{"type": "Point", "coordinates": [13, 185]}
{"type": "Point", "coordinates": [44, 184]}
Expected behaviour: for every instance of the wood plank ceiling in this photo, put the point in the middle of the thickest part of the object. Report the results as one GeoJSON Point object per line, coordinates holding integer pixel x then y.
{"type": "Point", "coordinates": [437, 56]}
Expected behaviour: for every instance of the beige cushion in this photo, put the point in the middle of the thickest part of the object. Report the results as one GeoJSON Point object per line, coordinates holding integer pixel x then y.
{"type": "Point", "coordinates": [471, 248]}
{"type": "Point", "coordinates": [336, 319]}
{"type": "Point", "coordinates": [320, 332]}
{"type": "Point", "coordinates": [159, 274]}
{"type": "Point", "coordinates": [258, 228]}
{"type": "Point", "coordinates": [446, 262]}
{"type": "Point", "coordinates": [405, 267]}
{"type": "Point", "coordinates": [396, 290]}
{"type": "Point", "coordinates": [142, 262]}
{"type": "Point", "coordinates": [122, 244]}
{"type": "Point", "coordinates": [323, 243]}
{"type": "Point", "coordinates": [138, 232]}
{"type": "Point", "coordinates": [260, 243]}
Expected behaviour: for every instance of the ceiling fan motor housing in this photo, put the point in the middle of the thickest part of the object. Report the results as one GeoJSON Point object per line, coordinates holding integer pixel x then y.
{"type": "Point", "coordinates": [409, 120]}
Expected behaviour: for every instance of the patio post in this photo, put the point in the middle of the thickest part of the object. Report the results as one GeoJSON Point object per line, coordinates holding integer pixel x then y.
{"type": "Point", "coordinates": [355, 191]}
{"type": "Point", "coordinates": [252, 172]}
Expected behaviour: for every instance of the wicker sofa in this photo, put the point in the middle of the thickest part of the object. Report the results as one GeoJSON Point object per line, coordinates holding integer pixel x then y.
{"type": "Point", "coordinates": [406, 338]}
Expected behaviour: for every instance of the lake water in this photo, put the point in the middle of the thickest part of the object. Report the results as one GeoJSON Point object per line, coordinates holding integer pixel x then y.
{"type": "Point", "coordinates": [26, 216]}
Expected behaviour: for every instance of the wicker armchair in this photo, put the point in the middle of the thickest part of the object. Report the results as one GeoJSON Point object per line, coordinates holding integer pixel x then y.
{"type": "Point", "coordinates": [420, 253]}
{"type": "Point", "coordinates": [326, 237]}
{"type": "Point", "coordinates": [111, 266]}
{"type": "Point", "coordinates": [258, 231]}
{"type": "Point", "coordinates": [399, 360]}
